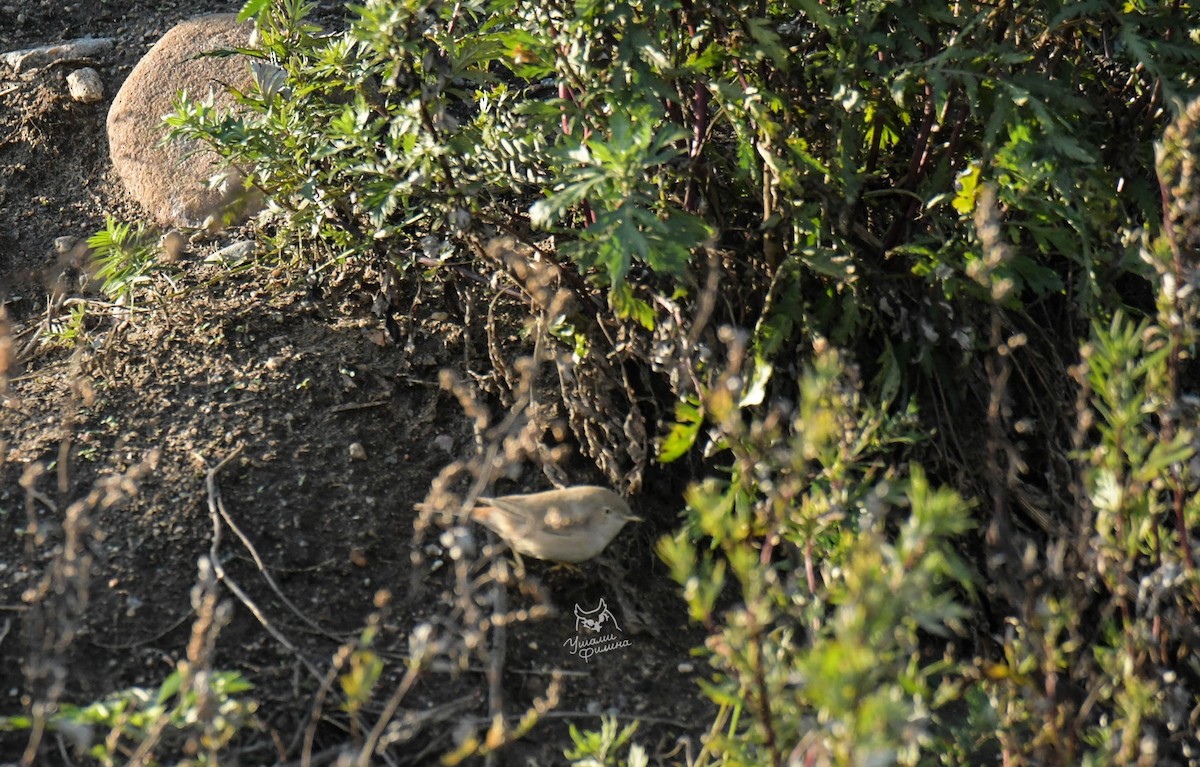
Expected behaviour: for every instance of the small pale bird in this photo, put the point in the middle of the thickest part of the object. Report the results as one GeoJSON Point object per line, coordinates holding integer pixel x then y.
{"type": "Point", "coordinates": [568, 526]}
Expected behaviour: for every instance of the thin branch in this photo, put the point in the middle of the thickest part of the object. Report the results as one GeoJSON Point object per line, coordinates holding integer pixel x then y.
{"type": "Point", "coordinates": [389, 711]}
{"type": "Point", "coordinates": [216, 512]}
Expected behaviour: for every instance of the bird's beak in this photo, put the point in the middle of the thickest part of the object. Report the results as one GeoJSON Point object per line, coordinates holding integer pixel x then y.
{"type": "Point", "coordinates": [632, 518]}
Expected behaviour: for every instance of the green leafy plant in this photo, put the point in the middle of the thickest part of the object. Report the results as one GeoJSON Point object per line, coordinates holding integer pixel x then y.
{"type": "Point", "coordinates": [821, 656]}
{"type": "Point", "coordinates": [666, 150]}
{"type": "Point", "coordinates": [602, 749]}
{"type": "Point", "coordinates": [109, 730]}
{"type": "Point", "coordinates": [67, 332]}
{"type": "Point", "coordinates": [124, 257]}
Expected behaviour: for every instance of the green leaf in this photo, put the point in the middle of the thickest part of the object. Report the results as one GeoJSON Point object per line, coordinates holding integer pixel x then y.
{"type": "Point", "coordinates": [689, 417]}
{"type": "Point", "coordinates": [966, 185]}
{"type": "Point", "coordinates": [169, 687]}
{"type": "Point", "coordinates": [358, 683]}
{"type": "Point", "coordinates": [252, 9]}
{"type": "Point", "coordinates": [764, 34]}
{"type": "Point", "coordinates": [1042, 280]}
{"type": "Point", "coordinates": [232, 682]}
{"type": "Point", "coordinates": [627, 305]}
{"type": "Point", "coordinates": [890, 377]}
{"type": "Point", "coordinates": [13, 723]}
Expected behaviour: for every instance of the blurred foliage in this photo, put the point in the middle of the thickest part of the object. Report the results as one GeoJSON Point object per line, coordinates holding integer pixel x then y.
{"type": "Point", "coordinates": [196, 719]}
{"type": "Point", "coordinates": [845, 570]}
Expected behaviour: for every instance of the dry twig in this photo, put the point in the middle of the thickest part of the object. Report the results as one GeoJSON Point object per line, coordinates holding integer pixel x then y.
{"type": "Point", "coordinates": [216, 512]}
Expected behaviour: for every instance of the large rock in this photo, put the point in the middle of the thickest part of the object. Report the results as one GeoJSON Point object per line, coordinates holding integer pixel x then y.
{"type": "Point", "coordinates": [170, 181]}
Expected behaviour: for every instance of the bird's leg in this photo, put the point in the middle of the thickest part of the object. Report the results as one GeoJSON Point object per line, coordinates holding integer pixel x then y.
{"type": "Point", "coordinates": [566, 567]}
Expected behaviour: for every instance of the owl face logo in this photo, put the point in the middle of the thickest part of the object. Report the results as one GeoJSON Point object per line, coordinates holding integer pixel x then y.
{"type": "Point", "coordinates": [593, 620]}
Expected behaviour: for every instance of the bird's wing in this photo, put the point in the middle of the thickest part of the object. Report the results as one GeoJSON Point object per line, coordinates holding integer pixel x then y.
{"type": "Point", "coordinates": [502, 517]}
{"type": "Point", "coordinates": [561, 519]}
{"type": "Point", "coordinates": [553, 518]}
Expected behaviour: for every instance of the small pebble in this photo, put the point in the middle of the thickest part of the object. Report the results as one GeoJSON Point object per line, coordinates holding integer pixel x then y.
{"type": "Point", "coordinates": [64, 245]}
{"type": "Point", "coordinates": [234, 254]}
{"type": "Point", "coordinates": [85, 85]}
{"type": "Point", "coordinates": [357, 451]}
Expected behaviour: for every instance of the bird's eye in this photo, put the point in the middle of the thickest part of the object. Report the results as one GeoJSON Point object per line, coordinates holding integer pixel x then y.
{"type": "Point", "coordinates": [607, 510]}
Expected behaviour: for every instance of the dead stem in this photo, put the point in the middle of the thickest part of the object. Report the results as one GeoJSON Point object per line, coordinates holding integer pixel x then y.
{"type": "Point", "coordinates": [216, 512]}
